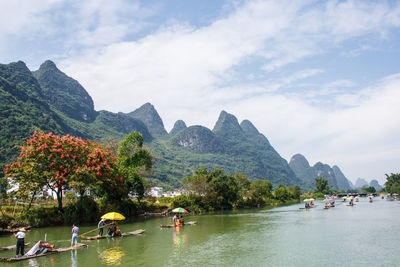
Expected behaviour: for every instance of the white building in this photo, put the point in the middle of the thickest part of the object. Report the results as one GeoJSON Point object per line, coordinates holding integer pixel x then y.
{"type": "Point", "coordinates": [175, 193]}
{"type": "Point", "coordinates": [156, 192]}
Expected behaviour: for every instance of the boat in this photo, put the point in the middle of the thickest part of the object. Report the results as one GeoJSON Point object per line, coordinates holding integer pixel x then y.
{"type": "Point", "coordinates": [172, 225]}
{"type": "Point", "coordinates": [137, 232]}
{"type": "Point", "coordinates": [50, 252]}
{"type": "Point", "coordinates": [12, 247]}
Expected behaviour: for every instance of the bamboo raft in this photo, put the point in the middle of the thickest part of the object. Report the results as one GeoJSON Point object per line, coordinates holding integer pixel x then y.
{"type": "Point", "coordinates": [137, 232]}
{"type": "Point", "coordinates": [11, 247]}
{"type": "Point", "coordinates": [172, 225]}
{"type": "Point", "coordinates": [50, 252]}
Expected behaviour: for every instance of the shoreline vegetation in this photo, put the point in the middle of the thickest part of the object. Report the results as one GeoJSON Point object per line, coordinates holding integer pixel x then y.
{"type": "Point", "coordinates": [88, 179]}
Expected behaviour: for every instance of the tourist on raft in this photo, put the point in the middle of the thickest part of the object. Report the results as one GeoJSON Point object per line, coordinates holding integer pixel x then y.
{"type": "Point", "coordinates": [75, 231]}
{"type": "Point", "coordinates": [20, 235]}
{"type": "Point", "coordinates": [113, 230]}
{"type": "Point", "coordinates": [101, 225]}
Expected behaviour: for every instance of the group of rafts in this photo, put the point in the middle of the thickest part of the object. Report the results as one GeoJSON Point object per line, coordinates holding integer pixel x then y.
{"type": "Point", "coordinates": [329, 202]}
{"type": "Point", "coordinates": [44, 249]}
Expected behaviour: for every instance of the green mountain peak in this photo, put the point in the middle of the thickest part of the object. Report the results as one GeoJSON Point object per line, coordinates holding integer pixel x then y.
{"type": "Point", "coordinates": [178, 126]}
{"type": "Point", "coordinates": [249, 128]}
{"type": "Point", "coordinates": [342, 181]}
{"type": "Point", "coordinates": [149, 115]}
{"type": "Point", "coordinates": [227, 125]}
{"type": "Point", "coordinates": [299, 163]}
{"type": "Point", "coordinates": [65, 93]}
{"type": "Point", "coordinates": [197, 138]}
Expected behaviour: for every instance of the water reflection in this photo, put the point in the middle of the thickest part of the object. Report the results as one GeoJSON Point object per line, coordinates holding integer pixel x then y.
{"type": "Point", "coordinates": [33, 263]}
{"type": "Point", "coordinates": [180, 239]}
{"type": "Point", "coordinates": [74, 258]}
{"type": "Point", "coordinates": [113, 256]}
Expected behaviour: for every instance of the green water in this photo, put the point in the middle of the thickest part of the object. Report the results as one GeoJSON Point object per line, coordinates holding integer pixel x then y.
{"type": "Point", "coordinates": [368, 233]}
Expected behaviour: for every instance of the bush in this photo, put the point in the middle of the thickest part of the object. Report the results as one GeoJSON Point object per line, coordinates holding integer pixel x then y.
{"type": "Point", "coordinates": [84, 210]}
{"type": "Point", "coordinates": [191, 203]}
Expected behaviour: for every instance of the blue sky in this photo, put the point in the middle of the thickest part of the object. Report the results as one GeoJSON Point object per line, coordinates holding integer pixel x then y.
{"type": "Point", "coordinates": [320, 78]}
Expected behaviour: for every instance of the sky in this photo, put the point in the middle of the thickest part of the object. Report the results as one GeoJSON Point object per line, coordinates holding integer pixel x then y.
{"type": "Point", "coordinates": [320, 78]}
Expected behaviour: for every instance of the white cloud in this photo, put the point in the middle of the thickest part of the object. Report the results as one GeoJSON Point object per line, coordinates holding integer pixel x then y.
{"type": "Point", "coordinates": [354, 138]}
{"type": "Point", "coordinates": [17, 15]}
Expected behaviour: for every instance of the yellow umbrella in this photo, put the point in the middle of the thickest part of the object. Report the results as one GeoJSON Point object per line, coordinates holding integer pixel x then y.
{"type": "Point", "coordinates": [114, 216]}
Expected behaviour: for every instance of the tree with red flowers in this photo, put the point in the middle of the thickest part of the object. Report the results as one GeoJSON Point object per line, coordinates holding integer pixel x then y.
{"type": "Point", "coordinates": [65, 162]}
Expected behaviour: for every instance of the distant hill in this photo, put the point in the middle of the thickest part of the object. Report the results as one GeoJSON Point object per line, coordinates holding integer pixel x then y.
{"type": "Point", "coordinates": [178, 126]}
{"type": "Point", "coordinates": [307, 174]}
{"type": "Point", "coordinates": [360, 183]}
{"type": "Point", "coordinates": [375, 184]}
{"type": "Point", "coordinates": [148, 114]}
{"type": "Point", "coordinates": [299, 164]}
{"type": "Point", "coordinates": [342, 182]}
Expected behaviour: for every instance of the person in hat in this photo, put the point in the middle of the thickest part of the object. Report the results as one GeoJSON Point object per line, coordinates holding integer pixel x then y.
{"type": "Point", "coordinates": [20, 235]}
{"type": "Point", "coordinates": [101, 225]}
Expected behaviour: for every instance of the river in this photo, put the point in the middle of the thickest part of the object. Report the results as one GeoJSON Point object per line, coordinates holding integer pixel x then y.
{"type": "Point", "coordinates": [367, 233]}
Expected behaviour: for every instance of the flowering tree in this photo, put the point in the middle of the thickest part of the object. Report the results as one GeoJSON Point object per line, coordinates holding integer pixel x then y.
{"type": "Point", "coordinates": [65, 162]}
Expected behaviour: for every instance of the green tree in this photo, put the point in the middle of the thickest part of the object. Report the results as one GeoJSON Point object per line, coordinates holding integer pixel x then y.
{"type": "Point", "coordinates": [3, 187]}
{"type": "Point", "coordinates": [223, 188]}
{"type": "Point", "coordinates": [295, 191]}
{"type": "Point", "coordinates": [134, 159]}
{"type": "Point", "coordinates": [260, 191]}
{"type": "Point", "coordinates": [368, 189]}
{"type": "Point", "coordinates": [321, 184]}
{"type": "Point", "coordinates": [214, 189]}
{"type": "Point", "coordinates": [197, 184]}
{"type": "Point", "coordinates": [392, 184]}
{"type": "Point", "coordinates": [243, 185]}
{"type": "Point", "coordinates": [281, 193]}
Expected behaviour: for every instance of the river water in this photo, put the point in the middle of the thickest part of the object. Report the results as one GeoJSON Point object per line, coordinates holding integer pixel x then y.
{"type": "Point", "coordinates": [367, 233]}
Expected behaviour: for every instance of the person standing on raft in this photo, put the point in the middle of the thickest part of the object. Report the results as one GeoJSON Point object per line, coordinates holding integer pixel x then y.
{"type": "Point", "coordinates": [101, 225]}
{"type": "Point", "coordinates": [75, 231]}
{"type": "Point", "coordinates": [20, 235]}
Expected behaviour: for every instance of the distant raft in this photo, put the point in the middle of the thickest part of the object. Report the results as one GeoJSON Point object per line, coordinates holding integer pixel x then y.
{"type": "Point", "coordinates": [172, 225]}
{"type": "Point", "coordinates": [137, 232]}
